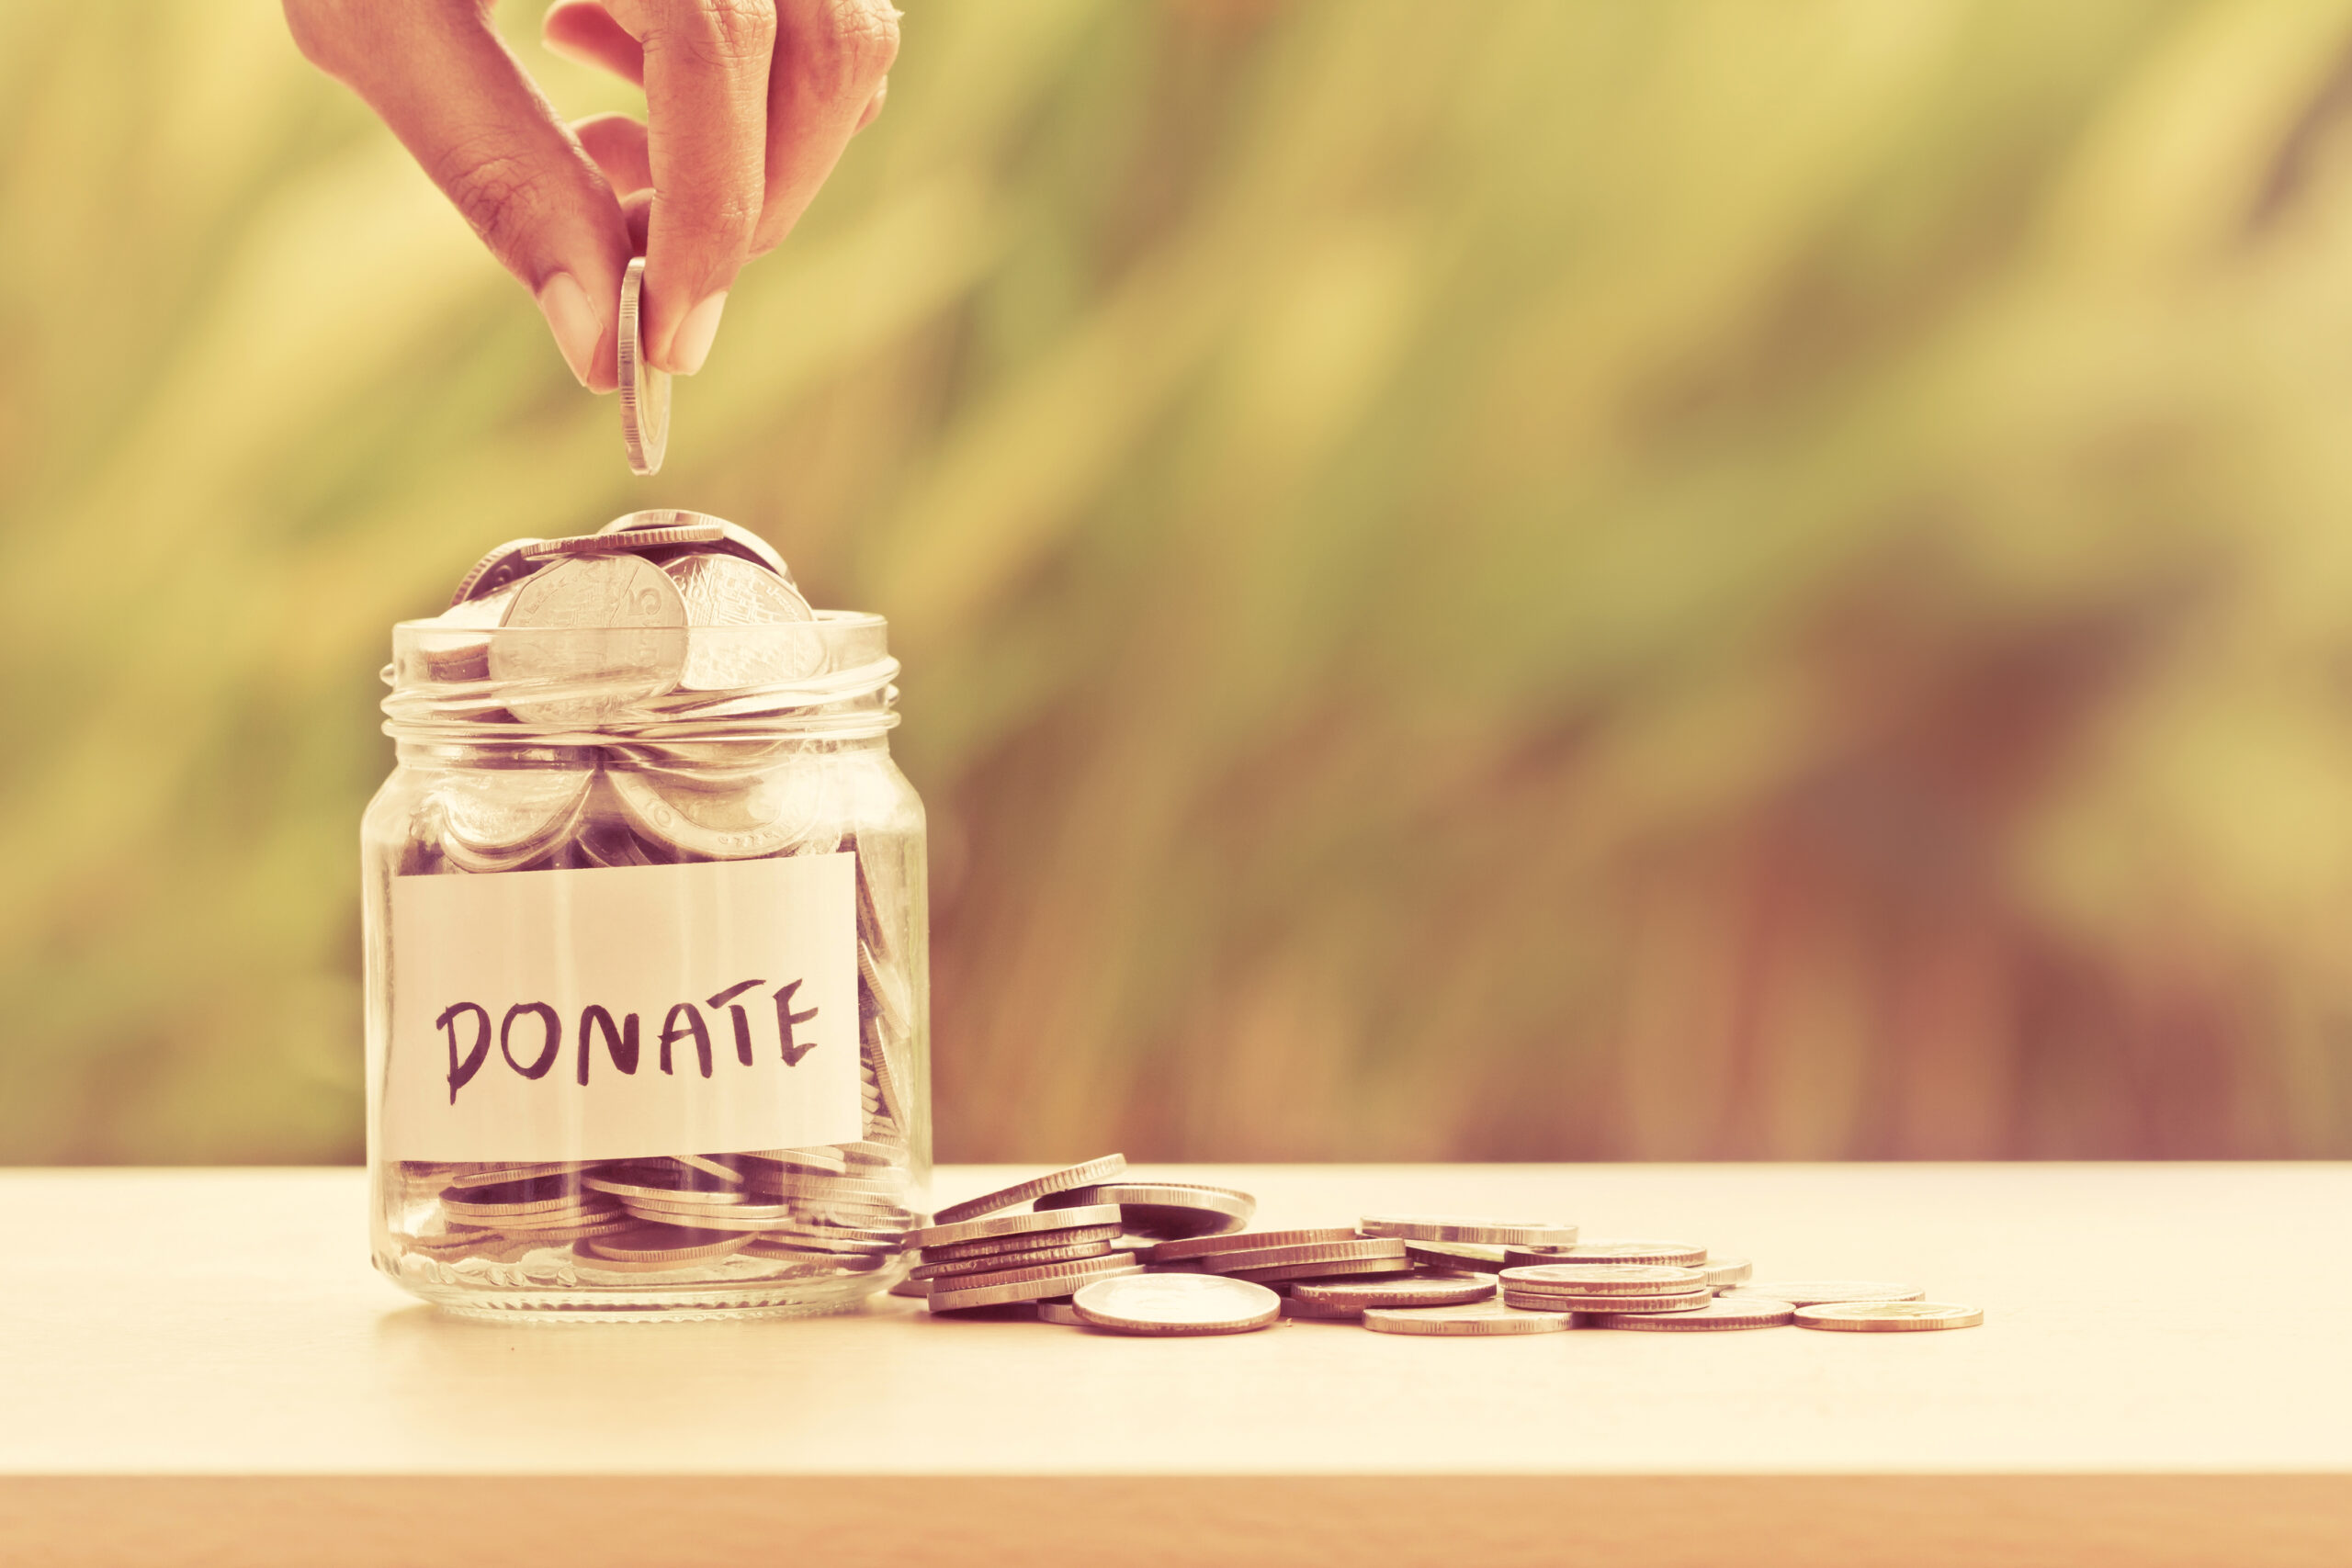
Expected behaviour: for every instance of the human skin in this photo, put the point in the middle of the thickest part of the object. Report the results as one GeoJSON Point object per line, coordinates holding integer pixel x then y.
{"type": "Point", "coordinates": [749, 105]}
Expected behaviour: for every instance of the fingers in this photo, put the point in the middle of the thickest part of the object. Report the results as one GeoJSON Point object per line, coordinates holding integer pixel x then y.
{"type": "Point", "coordinates": [583, 30]}
{"type": "Point", "coordinates": [617, 145]}
{"type": "Point", "coordinates": [447, 85]}
{"type": "Point", "coordinates": [706, 94]}
{"type": "Point", "coordinates": [832, 59]}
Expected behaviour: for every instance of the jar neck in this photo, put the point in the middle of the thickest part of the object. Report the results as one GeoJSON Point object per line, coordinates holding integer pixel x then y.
{"type": "Point", "coordinates": [495, 754]}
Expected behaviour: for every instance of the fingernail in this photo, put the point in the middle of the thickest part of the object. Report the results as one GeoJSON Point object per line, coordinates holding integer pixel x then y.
{"type": "Point", "coordinates": [573, 321]}
{"type": "Point", "coordinates": [690, 344]}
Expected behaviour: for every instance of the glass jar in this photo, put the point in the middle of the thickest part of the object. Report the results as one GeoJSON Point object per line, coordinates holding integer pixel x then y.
{"type": "Point", "coordinates": [647, 971]}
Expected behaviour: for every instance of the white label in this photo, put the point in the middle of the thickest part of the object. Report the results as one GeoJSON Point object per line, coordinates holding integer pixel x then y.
{"type": "Point", "coordinates": [517, 999]}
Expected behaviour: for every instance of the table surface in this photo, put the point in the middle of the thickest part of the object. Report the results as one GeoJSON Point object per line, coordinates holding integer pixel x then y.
{"type": "Point", "coordinates": [2160, 1321]}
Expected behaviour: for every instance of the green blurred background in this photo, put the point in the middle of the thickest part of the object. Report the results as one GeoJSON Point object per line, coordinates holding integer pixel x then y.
{"type": "Point", "coordinates": [1526, 581]}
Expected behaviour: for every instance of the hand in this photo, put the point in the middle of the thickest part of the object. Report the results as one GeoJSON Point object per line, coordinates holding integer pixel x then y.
{"type": "Point", "coordinates": [749, 105]}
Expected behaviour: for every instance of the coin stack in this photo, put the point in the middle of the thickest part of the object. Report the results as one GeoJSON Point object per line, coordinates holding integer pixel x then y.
{"type": "Point", "coordinates": [649, 654]}
{"type": "Point", "coordinates": [1160, 1258]}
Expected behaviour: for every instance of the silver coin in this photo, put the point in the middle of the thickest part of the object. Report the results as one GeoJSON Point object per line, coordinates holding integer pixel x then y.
{"type": "Point", "coordinates": [1164, 1211]}
{"type": "Point", "coordinates": [1681, 1253]}
{"type": "Point", "coordinates": [1723, 1312]}
{"type": "Point", "coordinates": [1409, 1291]}
{"type": "Point", "coordinates": [1176, 1304]}
{"type": "Point", "coordinates": [645, 1244]}
{"type": "Point", "coordinates": [1052, 1279]}
{"type": "Point", "coordinates": [1313, 1312]}
{"type": "Point", "coordinates": [1029, 1191]}
{"type": "Point", "coordinates": [1455, 1255]}
{"type": "Point", "coordinates": [645, 392]}
{"type": "Point", "coordinates": [915, 1288]}
{"type": "Point", "coordinates": [729, 605]}
{"type": "Point", "coordinates": [493, 820]}
{"type": "Point", "coordinates": [1197, 1248]}
{"type": "Point", "coordinates": [954, 1268]}
{"type": "Point", "coordinates": [750, 823]}
{"type": "Point", "coordinates": [1471, 1228]}
{"type": "Point", "coordinates": [1363, 1251]}
{"type": "Point", "coordinates": [1722, 1273]}
{"type": "Point", "coordinates": [1820, 1292]}
{"type": "Point", "coordinates": [1889, 1317]}
{"type": "Point", "coordinates": [806, 1162]}
{"type": "Point", "coordinates": [604, 632]}
{"type": "Point", "coordinates": [499, 1175]}
{"type": "Point", "coordinates": [999, 1247]}
{"type": "Point", "coordinates": [1566, 1301]}
{"type": "Point", "coordinates": [1605, 1279]}
{"type": "Point", "coordinates": [969, 1230]}
{"type": "Point", "coordinates": [660, 1186]}
{"type": "Point", "coordinates": [1061, 1310]}
{"type": "Point", "coordinates": [640, 541]}
{"type": "Point", "coordinates": [502, 568]}
{"type": "Point", "coordinates": [1483, 1320]}
{"type": "Point", "coordinates": [1345, 1268]}
{"type": "Point", "coordinates": [733, 538]}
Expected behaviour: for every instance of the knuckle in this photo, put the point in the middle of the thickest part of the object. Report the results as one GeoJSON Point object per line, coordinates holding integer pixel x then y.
{"type": "Point", "coordinates": [853, 45]}
{"type": "Point", "coordinates": [724, 35]}
{"type": "Point", "coordinates": [496, 193]}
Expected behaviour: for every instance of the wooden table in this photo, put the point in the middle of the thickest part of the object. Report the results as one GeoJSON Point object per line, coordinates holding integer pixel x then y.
{"type": "Point", "coordinates": [200, 1368]}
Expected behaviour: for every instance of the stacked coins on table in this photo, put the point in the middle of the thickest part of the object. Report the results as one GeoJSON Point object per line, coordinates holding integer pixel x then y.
{"type": "Point", "coordinates": [1087, 1247]}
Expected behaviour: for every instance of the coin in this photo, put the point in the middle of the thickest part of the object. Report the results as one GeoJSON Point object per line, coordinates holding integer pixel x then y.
{"type": "Point", "coordinates": [730, 606]}
{"type": "Point", "coordinates": [1313, 1312]}
{"type": "Point", "coordinates": [997, 1247]}
{"type": "Point", "coordinates": [648, 1243]}
{"type": "Point", "coordinates": [808, 1162]}
{"type": "Point", "coordinates": [1451, 1254]}
{"type": "Point", "coordinates": [732, 538]}
{"type": "Point", "coordinates": [596, 635]}
{"type": "Point", "coordinates": [645, 392]}
{"type": "Point", "coordinates": [1196, 1247]}
{"type": "Point", "coordinates": [969, 1230]}
{"type": "Point", "coordinates": [733, 824]}
{"type": "Point", "coordinates": [711, 1167]}
{"type": "Point", "coordinates": [1888, 1317]}
{"type": "Point", "coordinates": [912, 1287]}
{"type": "Point", "coordinates": [952, 1267]}
{"type": "Point", "coordinates": [502, 568]}
{"type": "Point", "coordinates": [1029, 1191]}
{"type": "Point", "coordinates": [1566, 1301]}
{"type": "Point", "coordinates": [640, 541]}
{"type": "Point", "coordinates": [1604, 1278]}
{"type": "Point", "coordinates": [1412, 1290]}
{"type": "Point", "coordinates": [1723, 1312]}
{"type": "Point", "coordinates": [1347, 1268]}
{"type": "Point", "coordinates": [1375, 1248]}
{"type": "Point", "coordinates": [1722, 1273]}
{"type": "Point", "coordinates": [503, 820]}
{"type": "Point", "coordinates": [1471, 1228]}
{"type": "Point", "coordinates": [1052, 1279]}
{"type": "Point", "coordinates": [1176, 1304]}
{"type": "Point", "coordinates": [659, 1184]}
{"type": "Point", "coordinates": [1061, 1310]}
{"type": "Point", "coordinates": [1680, 1253]}
{"type": "Point", "coordinates": [1819, 1293]}
{"type": "Point", "coordinates": [499, 1175]}
{"type": "Point", "coordinates": [1164, 1211]}
{"type": "Point", "coordinates": [1481, 1320]}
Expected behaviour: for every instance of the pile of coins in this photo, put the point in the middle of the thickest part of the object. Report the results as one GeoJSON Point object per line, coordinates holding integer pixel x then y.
{"type": "Point", "coordinates": [671, 698]}
{"type": "Point", "coordinates": [1083, 1248]}
{"type": "Point", "coordinates": [698, 1219]}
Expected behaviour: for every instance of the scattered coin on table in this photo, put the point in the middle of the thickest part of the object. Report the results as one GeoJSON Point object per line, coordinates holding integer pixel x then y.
{"type": "Point", "coordinates": [1074, 1248]}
